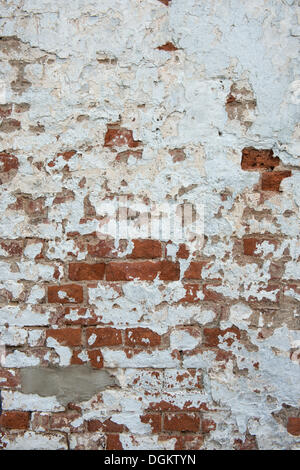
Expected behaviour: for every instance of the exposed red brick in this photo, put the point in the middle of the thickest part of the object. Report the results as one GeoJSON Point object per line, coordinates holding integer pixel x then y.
{"type": "Point", "coordinates": [146, 249]}
{"type": "Point", "coordinates": [123, 157]}
{"type": "Point", "coordinates": [154, 419]}
{"type": "Point", "coordinates": [40, 421]}
{"type": "Point", "coordinates": [70, 293]}
{"type": "Point", "coordinates": [67, 155]}
{"type": "Point", "coordinates": [251, 244]}
{"type": "Point", "coordinates": [10, 125]}
{"type": "Point", "coordinates": [9, 378]}
{"type": "Point", "coordinates": [63, 197]}
{"type": "Point", "coordinates": [189, 442]}
{"type": "Point", "coordinates": [86, 272]}
{"type": "Point", "coordinates": [276, 270]}
{"type": "Point", "coordinates": [165, 2]}
{"type": "Point", "coordinates": [12, 247]}
{"type": "Point", "coordinates": [15, 420]}
{"type": "Point", "coordinates": [169, 47]}
{"type": "Point", "coordinates": [106, 249]}
{"type": "Point", "coordinates": [108, 425]}
{"type": "Point", "coordinates": [293, 426]}
{"type": "Point", "coordinates": [271, 180]}
{"type": "Point", "coordinates": [262, 297]}
{"type": "Point", "coordinates": [208, 425]}
{"type": "Point", "coordinates": [194, 270]}
{"type": "Point", "coordinates": [182, 422]}
{"type": "Point", "coordinates": [86, 316]}
{"type": "Point", "coordinates": [178, 155]}
{"type": "Point", "coordinates": [169, 271]}
{"type": "Point", "coordinates": [75, 359]}
{"type": "Point", "coordinates": [143, 270]}
{"type": "Point", "coordinates": [113, 442]}
{"type": "Point", "coordinates": [35, 206]}
{"type": "Point", "coordinates": [21, 107]}
{"type": "Point", "coordinates": [192, 292]}
{"type": "Point", "coordinates": [258, 159]}
{"type": "Point", "coordinates": [104, 337]}
{"type": "Point", "coordinates": [249, 443]}
{"type": "Point", "coordinates": [8, 162]}
{"type": "Point", "coordinates": [211, 294]}
{"type": "Point", "coordinates": [65, 336]}
{"type": "Point", "coordinates": [183, 252]}
{"type": "Point", "coordinates": [118, 137]}
{"type": "Point", "coordinates": [63, 421]}
{"type": "Point", "coordinates": [96, 358]}
{"type": "Point", "coordinates": [141, 337]}
{"type": "Point", "coordinates": [211, 335]}
{"type": "Point", "coordinates": [5, 110]}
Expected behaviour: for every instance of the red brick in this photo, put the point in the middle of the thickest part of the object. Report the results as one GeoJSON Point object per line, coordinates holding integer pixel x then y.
{"type": "Point", "coordinates": [66, 336]}
{"type": "Point", "coordinates": [211, 294]}
{"type": "Point", "coordinates": [276, 270]}
{"type": "Point", "coordinates": [169, 47]}
{"type": "Point", "coordinates": [192, 291]}
{"type": "Point", "coordinates": [35, 206]}
{"type": "Point", "coordinates": [86, 316]}
{"type": "Point", "coordinates": [271, 180]}
{"type": "Point", "coordinates": [194, 270]}
{"type": "Point", "coordinates": [165, 2]}
{"type": "Point", "coordinates": [155, 421]}
{"type": "Point", "coordinates": [182, 422]}
{"type": "Point", "coordinates": [8, 162]}
{"type": "Point", "coordinates": [96, 358]}
{"type": "Point", "coordinates": [106, 249]}
{"type": "Point", "coordinates": [72, 294]}
{"type": "Point", "coordinates": [108, 425]}
{"type": "Point", "coordinates": [118, 137]}
{"type": "Point", "coordinates": [5, 110]}
{"type": "Point", "coordinates": [258, 159]}
{"type": "Point", "coordinates": [12, 247]}
{"type": "Point", "coordinates": [189, 442]}
{"type": "Point", "coordinates": [86, 272]}
{"type": "Point", "coordinates": [10, 125]}
{"type": "Point", "coordinates": [63, 421]}
{"type": "Point", "coordinates": [183, 251]}
{"type": "Point", "coordinates": [21, 107]}
{"type": "Point", "coordinates": [40, 421]}
{"type": "Point", "coordinates": [104, 336]}
{"type": "Point", "coordinates": [208, 425]}
{"type": "Point", "coordinates": [9, 378]}
{"type": "Point", "coordinates": [211, 335]}
{"type": "Point", "coordinates": [293, 426]}
{"type": "Point", "coordinates": [249, 443]}
{"type": "Point", "coordinates": [178, 155]}
{"type": "Point", "coordinates": [165, 405]}
{"type": "Point", "coordinates": [147, 249]}
{"type": "Point", "coordinates": [15, 419]}
{"type": "Point", "coordinates": [264, 297]}
{"type": "Point", "coordinates": [67, 155]}
{"type": "Point", "coordinates": [141, 337]}
{"type": "Point", "coordinates": [143, 270]}
{"type": "Point", "coordinates": [113, 442]}
{"type": "Point", "coordinates": [75, 359]}
{"type": "Point", "coordinates": [251, 244]}
{"type": "Point", "coordinates": [123, 157]}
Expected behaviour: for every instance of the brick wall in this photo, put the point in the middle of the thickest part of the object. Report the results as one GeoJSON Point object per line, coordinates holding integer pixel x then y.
{"type": "Point", "coordinates": [149, 341]}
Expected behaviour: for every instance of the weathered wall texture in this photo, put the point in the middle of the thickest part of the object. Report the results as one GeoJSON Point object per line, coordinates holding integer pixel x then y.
{"type": "Point", "coordinates": [148, 343]}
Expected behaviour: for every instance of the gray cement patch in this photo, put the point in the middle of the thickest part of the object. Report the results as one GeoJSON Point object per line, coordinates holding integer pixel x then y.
{"type": "Point", "coordinates": [69, 384]}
